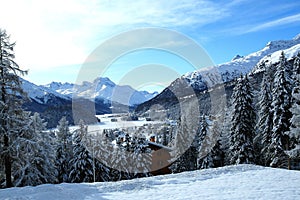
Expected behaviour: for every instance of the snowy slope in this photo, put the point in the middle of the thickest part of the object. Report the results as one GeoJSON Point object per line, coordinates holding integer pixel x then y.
{"type": "Point", "coordinates": [274, 57]}
{"type": "Point", "coordinates": [102, 88]}
{"type": "Point", "coordinates": [239, 64]}
{"type": "Point", "coordinates": [231, 182]}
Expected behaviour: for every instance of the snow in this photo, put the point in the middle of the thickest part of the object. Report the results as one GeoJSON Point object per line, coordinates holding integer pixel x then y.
{"type": "Point", "coordinates": [273, 58]}
{"type": "Point", "coordinates": [231, 182]}
{"type": "Point", "coordinates": [39, 93]}
{"type": "Point", "coordinates": [106, 122]}
{"type": "Point", "coordinates": [102, 88]}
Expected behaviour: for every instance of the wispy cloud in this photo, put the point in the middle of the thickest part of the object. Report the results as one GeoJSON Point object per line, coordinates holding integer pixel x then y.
{"type": "Point", "coordinates": [276, 23]}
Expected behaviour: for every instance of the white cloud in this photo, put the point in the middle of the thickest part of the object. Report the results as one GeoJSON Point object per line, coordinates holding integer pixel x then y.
{"type": "Point", "coordinates": [57, 33]}
{"type": "Point", "coordinates": [275, 23]}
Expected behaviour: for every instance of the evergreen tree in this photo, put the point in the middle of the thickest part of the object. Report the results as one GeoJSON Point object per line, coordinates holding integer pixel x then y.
{"type": "Point", "coordinates": [82, 163]}
{"type": "Point", "coordinates": [10, 103]}
{"type": "Point", "coordinates": [296, 67]}
{"type": "Point", "coordinates": [225, 136]}
{"type": "Point", "coordinates": [210, 153]}
{"type": "Point", "coordinates": [203, 159]}
{"type": "Point", "coordinates": [294, 132]}
{"type": "Point", "coordinates": [34, 163]}
{"type": "Point", "coordinates": [243, 122]}
{"type": "Point", "coordinates": [281, 104]}
{"type": "Point", "coordinates": [64, 150]}
{"type": "Point", "coordinates": [140, 157]}
{"type": "Point", "coordinates": [265, 122]}
{"type": "Point", "coordinates": [185, 153]}
{"type": "Point", "coordinates": [102, 149]}
{"type": "Point", "coordinates": [120, 164]}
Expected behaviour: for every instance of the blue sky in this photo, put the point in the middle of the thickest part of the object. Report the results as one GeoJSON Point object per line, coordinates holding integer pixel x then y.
{"type": "Point", "coordinates": [54, 38]}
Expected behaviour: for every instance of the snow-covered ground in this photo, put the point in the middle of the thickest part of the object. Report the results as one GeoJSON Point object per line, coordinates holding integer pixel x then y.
{"type": "Point", "coordinates": [231, 182]}
{"type": "Point", "coordinates": [106, 123]}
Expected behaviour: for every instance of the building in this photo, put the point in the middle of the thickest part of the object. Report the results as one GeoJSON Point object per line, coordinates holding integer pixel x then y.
{"type": "Point", "coordinates": [161, 158]}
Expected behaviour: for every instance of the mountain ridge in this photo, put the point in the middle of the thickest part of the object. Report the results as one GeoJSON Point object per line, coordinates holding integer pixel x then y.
{"type": "Point", "coordinates": [101, 88]}
{"type": "Point", "coordinates": [220, 76]}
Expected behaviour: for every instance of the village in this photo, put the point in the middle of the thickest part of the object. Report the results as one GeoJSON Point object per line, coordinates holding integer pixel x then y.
{"type": "Point", "coordinates": [146, 136]}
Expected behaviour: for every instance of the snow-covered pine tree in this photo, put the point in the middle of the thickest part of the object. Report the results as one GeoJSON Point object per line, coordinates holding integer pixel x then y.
{"type": "Point", "coordinates": [243, 122]}
{"type": "Point", "coordinates": [64, 150]}
{"type": "Point", "coordinates": [296, 67]}
{"type": "Point", "coordinates": [210, 152]}
{"type": "Point", "coordinates": [225, 135]}
{"type": "Point", "coordinates": [120, 164]}
{"type": "Point", "coordinates": [203, 147]}
{"type": "Point", "coordinates": [34, 153]}
{"type": "Point", "coordinates": [281, 104]}
{"type": "Point", "coordinates": [185, 145]}
{"type": "Point", "coordinates": [265, 121]}
{"type": "Point", "coordinates": [141, 157]}
{"type": "Point", "coordinates": [46, 142]}
{"type": "Point", "coordinates": [294, 132]}
{"type": "Point", "coordinates": [216, 150]}
{"type": "Point", "coordinates": [82, 163]}
{"type": "Point", "coordinates": [10, 91]}
{"type": "Point", "coordinates": [101, 147]}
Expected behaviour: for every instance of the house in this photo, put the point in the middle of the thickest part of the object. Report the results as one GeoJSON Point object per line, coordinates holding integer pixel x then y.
{"type": "Point", "coordinates": [161, 157]}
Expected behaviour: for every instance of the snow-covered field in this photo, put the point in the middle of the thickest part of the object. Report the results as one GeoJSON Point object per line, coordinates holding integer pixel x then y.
{"type": "Point", "coordinates": [231, 182]}
{"type": "Point", "coordinates": [106, 123]}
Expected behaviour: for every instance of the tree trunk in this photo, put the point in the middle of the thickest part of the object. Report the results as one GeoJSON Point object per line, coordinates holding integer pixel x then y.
{"type": "Point", "coordinates": [7, 163]}
{"type": "Point", "coordinates": [7, 160]}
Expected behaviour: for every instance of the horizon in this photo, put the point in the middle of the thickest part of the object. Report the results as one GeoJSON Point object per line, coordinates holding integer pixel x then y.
{"type": "Point", "coordinates": [54, 39]}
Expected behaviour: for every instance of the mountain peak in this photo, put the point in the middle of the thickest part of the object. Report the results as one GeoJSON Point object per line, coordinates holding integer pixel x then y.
{"type": "Point", "coordinates": [297, 37]}
{"type": "Point", "coordinates": [104, 81]}
{"type": "Point", "coordinates": [237, 57]}
{"type": "Point", "coordinates": [101, 88]}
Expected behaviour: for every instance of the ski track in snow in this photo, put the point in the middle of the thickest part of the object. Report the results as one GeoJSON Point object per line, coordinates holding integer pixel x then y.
{"type": "Point", "coordinates": [231, 182]}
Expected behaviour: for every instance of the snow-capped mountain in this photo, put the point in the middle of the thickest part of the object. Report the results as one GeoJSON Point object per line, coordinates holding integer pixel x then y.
{"type": "Point", "coordinates": [208, 77]}
{"type": "Point", "coordinates": [40, 94]}
{"type": "Point", "coordinates": [104, 89]}
{"type": "Point", "coordinates": [274, 57]}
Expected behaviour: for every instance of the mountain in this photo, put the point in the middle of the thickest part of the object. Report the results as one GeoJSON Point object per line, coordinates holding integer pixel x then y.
{"type": "Point", "coordinates": [205, 78]}
{"type": "Point", "coordinates": [53, 105]}
{"type": "Point", "coordinates": [104, 89]}
{"type": "Point", "coordinates": [55, 100]}
{"type": "Point", "coordinates": [40, 94]}
{"type": "Point", "coordinates": [230, 182]}
{"type": "Point", "coordinates": [219, 76]}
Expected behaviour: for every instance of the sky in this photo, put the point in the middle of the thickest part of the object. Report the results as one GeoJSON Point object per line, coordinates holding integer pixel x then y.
{"type": "Point", "coordinates": [55, 39]}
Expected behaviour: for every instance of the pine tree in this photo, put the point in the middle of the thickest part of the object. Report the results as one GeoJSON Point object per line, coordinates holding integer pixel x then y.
{"type": "Point", "coordinates": [120, 164]}
{"type": "Point", "coordinates": [294, 132]}
{"type": "Point", "coordinates": [101, 146]}
{"type": "Point", "coordinates": [82, 163]}
{"type": "Point", "coordinates": [281, 104]}
{"type": "Point", "coordinates": [34, 163]}
{"type": "Point", "coordinates": [225, 136]}
{"type": "Point", "coordinates": [265, 122]}
{"type": "Point", "coordinates": [140, 157]}
{"type": "Point", "coordinates": [183, 152]}
{"type": "Point", "coordinates": [203, 159]}
{"type": "Point", "coordinates": [243, 122]}
{"type": "Point", "coordinates": [10, 103]}
{"type": "Point", "coordinates": [210, 153]}
{"type": "Point", "coordinates": [64, 150]}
